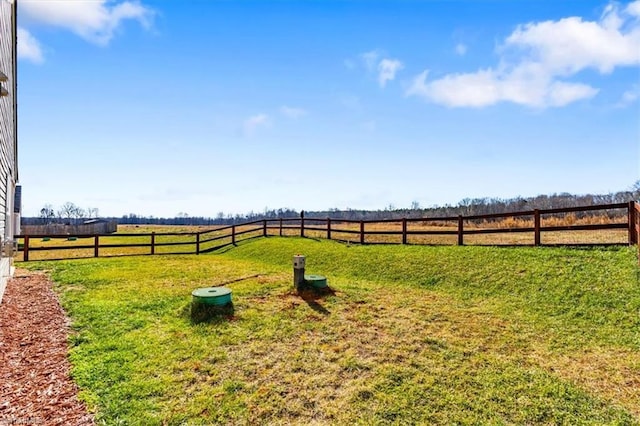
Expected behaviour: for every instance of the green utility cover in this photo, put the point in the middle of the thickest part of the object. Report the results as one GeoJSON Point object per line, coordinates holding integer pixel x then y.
{"type": "Point", "coordinates": [212, 295]}
{"type": "Point", "coordinates": [316, 281]}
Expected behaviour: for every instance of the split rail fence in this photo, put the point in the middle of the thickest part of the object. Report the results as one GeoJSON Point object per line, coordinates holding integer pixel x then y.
{"type": "Point", "coordinates": [533, 227]}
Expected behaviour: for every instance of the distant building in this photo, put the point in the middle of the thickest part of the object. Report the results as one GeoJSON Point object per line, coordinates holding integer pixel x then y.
{"type": "Point", "coordinates": [88, 227]}
{"type": "Point", "coordinates": [9, 203]}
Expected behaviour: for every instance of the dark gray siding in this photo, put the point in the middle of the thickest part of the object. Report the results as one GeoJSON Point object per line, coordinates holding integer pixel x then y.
{"type": "Point", "coordinates": [8, 119]}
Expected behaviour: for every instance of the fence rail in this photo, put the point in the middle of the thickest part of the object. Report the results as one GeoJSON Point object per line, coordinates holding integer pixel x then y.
{"type": "Point", "coordinates": [621, 216]}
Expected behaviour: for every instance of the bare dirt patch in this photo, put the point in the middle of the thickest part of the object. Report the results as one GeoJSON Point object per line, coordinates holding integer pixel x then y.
{"type": "Point", "coordinates": [35, 386]}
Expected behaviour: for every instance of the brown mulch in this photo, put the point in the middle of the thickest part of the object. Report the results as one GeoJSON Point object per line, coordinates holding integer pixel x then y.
{"type": "Point", "coordinates": [35, 387]}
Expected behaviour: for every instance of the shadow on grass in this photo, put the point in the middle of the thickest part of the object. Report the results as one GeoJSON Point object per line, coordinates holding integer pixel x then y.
{"type": "Point", "coordinates": [198, 313]}
{"type": "Point", "coordinates": [312, 295]}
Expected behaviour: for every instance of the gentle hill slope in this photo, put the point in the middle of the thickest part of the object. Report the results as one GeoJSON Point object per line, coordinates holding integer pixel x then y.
{"type": "Point", "coordinates": [427, 335]}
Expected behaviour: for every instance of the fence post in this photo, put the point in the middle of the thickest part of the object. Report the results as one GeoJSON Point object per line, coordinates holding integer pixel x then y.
{"type": "Point", "coordinates": [302, 223]}
{"type": "Point", "coordinates": [536, 227]}
{"type": "Point", "coordinates": [404, 230]}
{"type": "Point", "coordinates": [633, 235]}
{"type": "Point", "coordinates": [153, 243]}
{"type": "Point", "coordinates": [197, 243]}
{"type": "Point", "coordinates": [362, 232]}
{"type": "Point", "coordinates": [96, 245]}
{"type": "Point", "coordinates": [328, 228]}
{"type": "Point", "coordinates": [460, 230]}
{"type": "Point", "coordinates": [233, 235]}
{"type": "Point", "coordinates": [281, 227]}
{"type": "Point", "coordinates": [636, 229]}
{"type": "Point", "coordinates": [25, 249]}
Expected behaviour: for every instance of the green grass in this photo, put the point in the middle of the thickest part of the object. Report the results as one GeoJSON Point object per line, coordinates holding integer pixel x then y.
{"type": "Point", "coordinates": [421, 335]}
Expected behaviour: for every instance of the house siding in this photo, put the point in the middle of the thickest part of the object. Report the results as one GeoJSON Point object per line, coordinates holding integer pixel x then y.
{"type": "Point", "coordinates": [8, 129]}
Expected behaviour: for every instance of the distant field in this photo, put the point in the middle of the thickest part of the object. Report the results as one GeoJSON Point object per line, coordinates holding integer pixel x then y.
{"type": "Point", "coordinates": [410, 335]}
{"type": "Point", "coordinates": [616, 236]}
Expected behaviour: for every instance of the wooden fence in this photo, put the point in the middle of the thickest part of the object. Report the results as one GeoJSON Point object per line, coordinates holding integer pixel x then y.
{"type": "Point", "coordinates": [624, 217]}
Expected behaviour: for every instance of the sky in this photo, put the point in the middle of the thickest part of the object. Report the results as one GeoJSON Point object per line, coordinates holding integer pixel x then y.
{"type": "Point", "coordinates": [159, 108]}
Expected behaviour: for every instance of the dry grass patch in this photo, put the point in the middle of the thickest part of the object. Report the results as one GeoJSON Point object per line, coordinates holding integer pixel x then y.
{"type": "Point", "coordinates": [216, 236]}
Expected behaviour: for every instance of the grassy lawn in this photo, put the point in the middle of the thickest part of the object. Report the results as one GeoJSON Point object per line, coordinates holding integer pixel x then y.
{"type": "Point", "coordinates": [411, 334]}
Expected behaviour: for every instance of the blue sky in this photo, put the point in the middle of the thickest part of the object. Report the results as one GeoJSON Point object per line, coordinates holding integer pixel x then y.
{"type": "Point", "coordinates": [162, 107]}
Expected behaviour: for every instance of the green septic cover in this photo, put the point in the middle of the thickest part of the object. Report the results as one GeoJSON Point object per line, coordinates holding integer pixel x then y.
{"type": "Point", "coordinates": [317, 281]}
{"type": "Point", "coordinates": [212, 295]}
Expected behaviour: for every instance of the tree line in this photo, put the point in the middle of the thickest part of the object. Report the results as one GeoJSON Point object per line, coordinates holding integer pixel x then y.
{"type": "Point", "coordinates": [69, 213]}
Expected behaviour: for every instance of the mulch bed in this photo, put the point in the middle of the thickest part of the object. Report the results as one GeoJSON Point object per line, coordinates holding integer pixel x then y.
{"type": "Point", "coordinates": [35, 387]}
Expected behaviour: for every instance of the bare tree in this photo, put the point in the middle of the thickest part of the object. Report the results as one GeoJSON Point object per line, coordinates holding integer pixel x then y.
{"type": "Point", "coordinates": [635, 190]}
{"type": "Point", "coordinates": [78, 214]}
{"type": "Point", "coordinates": [92, 213]}
{"type": "Point", "coordinates": [69, 211]}
{"type": "Point", "coordinates": [47, 214]}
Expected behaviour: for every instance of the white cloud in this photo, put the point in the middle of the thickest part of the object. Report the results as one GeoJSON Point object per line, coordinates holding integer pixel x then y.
{"type": "Point", "coordinates": [373, 61]}
{"type": "Point", "coordinates": [560, 93]}
{"type": "Point", "coordinates": [538, 58]}
{"type": "Point", "coordinates": [95, 21]}
{"type": "Point", "coordinates": [461, 49]}
{"type": "Point", "coordinates": [633, 8]}
{"type": "Point", "coordinates": [478, 89]}
{"type": "Point", "coordinates": [387, 69]}
{"type": "Point", "coordinates": [252, 123]}
{"type": "Point", "coordinates": [28, 47]}
{"type": "Point", "coordinates": [571, 45]}
{"type": "Point", "coordinates": [370, 59]}
{"type": "Point", "coordinates": [488, 87]}
{"type": "Point", "coordinates": [293, 112]}
{"type": "Point", "coordinates": [630, 96]}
